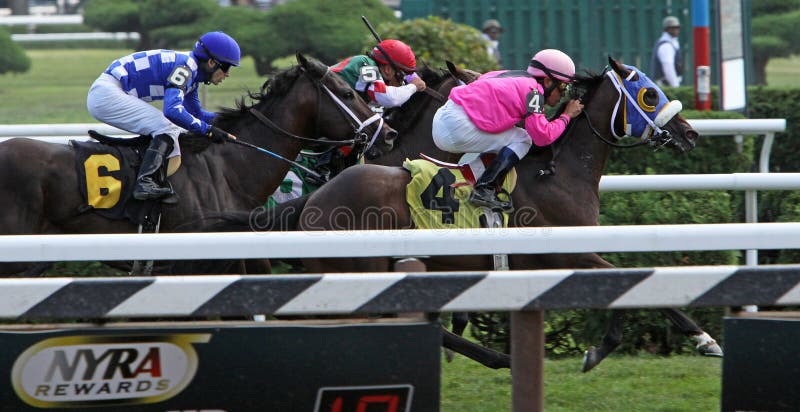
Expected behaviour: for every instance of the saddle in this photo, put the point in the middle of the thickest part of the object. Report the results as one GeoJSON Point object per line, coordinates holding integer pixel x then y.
{"type": "Point", "coordinates": [107, 171]}
{"type": "Point", "coordinates": [438, 194]}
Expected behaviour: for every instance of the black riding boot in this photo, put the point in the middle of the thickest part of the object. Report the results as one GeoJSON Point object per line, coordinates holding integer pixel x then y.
{"type": "Point", "coordinates": [147, 187]}
{"type": "Point", "coordinates": [485, 191]}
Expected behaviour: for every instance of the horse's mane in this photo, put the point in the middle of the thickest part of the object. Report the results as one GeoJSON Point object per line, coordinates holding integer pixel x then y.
{"type": "Point", "coordinates": [582, 88]}
{"type": "Point", "coordinates": [273, 88]}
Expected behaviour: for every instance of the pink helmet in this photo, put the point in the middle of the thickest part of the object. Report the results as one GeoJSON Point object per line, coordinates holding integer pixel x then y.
{"type": "Point", "coordinates": [552, 63]}
{"type": "Point", "coordinates": [399, 52]}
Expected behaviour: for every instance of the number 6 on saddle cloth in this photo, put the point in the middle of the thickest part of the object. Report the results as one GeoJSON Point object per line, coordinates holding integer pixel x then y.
{"type": "Point", "coordinates": [107, 176]}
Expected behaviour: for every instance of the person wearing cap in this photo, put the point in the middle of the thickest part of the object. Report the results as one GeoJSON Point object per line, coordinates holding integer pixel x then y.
{"type": "Point", "coordinates": [482, 116]}
{"type": "Point", "coordinates": [120, 97]}
{"type": "Point", "coordinates": [491, 33]}
{"type": "Point", "coordinates": [667, 59]}
{"type": "Point", "coordinates": [385, 76]}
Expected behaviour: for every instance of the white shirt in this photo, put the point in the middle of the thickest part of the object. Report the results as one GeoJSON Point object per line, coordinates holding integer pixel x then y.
{"type": "Point", "coordinates": [666, 54]}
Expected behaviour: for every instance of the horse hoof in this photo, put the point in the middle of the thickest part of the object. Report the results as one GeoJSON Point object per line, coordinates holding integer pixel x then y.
{"type": "Point", "coordinates": [449, 355]}
{"type": "Point", "coordinates": [710, 349]}
{"type": "Point", "coordinates": [590, 359]}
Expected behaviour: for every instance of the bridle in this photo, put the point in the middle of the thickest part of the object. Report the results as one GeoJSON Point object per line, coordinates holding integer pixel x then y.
{"type": "Point", "coordinates": [658, 139]}
{"type": "Point", "coordinates": [361, 141]}
{"type": "Point", "coordinates": [360, 136]}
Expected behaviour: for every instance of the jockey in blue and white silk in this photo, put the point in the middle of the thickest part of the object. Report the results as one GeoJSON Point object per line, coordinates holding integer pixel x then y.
{"type": "Point", "coordinates": [143, 76]}
{"type": "Point", "coordinates": [121, 96]}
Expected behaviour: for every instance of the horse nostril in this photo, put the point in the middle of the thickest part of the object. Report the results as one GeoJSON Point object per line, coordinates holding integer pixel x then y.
{"type": "Point", "coordinates": [692, 135]}
{"type": "Point", "coordinates": [391, 136]}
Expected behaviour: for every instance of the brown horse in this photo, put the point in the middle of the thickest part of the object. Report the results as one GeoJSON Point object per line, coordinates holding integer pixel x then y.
{"type": "Point", "coordinates": [567, 198]}
{"type": "Point", "coordinates": [304, 106]}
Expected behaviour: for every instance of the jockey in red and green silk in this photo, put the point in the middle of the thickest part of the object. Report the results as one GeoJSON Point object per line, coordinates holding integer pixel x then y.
{"type": "Point", "coordinates": [387, 82]}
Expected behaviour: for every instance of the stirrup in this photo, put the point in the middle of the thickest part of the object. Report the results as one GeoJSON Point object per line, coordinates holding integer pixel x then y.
{"type": "Point", "coordinates": [492, 203]}
{"type": "Point", "coordinates": [172, 197]}
{"type": "Point", "coordinates": [144, 195]}
{"type": "Point", "coordinates": [141, 192]}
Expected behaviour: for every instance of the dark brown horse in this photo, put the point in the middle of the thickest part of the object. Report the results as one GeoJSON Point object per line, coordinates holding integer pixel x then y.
{"type": "Point", "coordinates": [305, 106]}
{"type": "Point", "coordinates": [567, 198]}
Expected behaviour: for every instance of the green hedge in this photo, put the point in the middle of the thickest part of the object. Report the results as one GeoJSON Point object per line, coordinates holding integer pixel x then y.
{"type": "Point", "coordinates": [569, 332]}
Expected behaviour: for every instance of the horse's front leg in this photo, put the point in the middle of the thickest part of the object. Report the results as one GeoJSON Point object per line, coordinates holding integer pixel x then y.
{"type": "Point", "coordinates": [706, 345]}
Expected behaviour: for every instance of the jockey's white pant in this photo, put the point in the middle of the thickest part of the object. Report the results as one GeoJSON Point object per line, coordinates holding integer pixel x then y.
{"type": "Point", "coordinates": [108, 103]}
{"type": "Point", "coordinates": [454, 132]}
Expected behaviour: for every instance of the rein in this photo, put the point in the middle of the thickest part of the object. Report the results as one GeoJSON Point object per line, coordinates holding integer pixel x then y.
{"type": "Point", "coordinates": [556, 147]}
{"type": "Point", "coordinates": [360, 138]}
{"type": "Point", "coordinates": [436, 95]}
{"type": "Point", "coordinates": [358, 125]}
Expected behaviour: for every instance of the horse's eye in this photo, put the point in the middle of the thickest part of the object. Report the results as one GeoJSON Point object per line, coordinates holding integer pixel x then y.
{"type": "Point", "coordinates": [651, 96]}
{"type": "Point", "coordinates": [647, 99]}
{"type": "Point", "coordinates": [349, 94]}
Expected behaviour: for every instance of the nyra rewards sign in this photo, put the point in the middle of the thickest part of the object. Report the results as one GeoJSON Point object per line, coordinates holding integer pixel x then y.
{"type": "Point", "coordinates": [110, 370]}
{"type": "Point", "coordinates": [222, 366]}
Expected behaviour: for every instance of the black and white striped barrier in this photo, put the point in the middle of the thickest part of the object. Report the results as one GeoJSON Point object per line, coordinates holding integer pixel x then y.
{"type": "Point", "coordinates": [233, 295]}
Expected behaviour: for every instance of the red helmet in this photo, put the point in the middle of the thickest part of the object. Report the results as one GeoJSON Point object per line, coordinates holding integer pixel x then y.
{"type": "Point", "coordinates": [399, 52]}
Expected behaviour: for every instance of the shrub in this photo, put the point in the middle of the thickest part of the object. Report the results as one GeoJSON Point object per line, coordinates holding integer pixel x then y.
{"type": "Point", "coordinates": [12, 57]}
{"type": "Point", "coordinates": [435, 40]}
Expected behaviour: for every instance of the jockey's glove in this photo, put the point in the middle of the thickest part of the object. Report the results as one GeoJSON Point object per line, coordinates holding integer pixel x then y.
{"type": "Point", "coordinates": [217, 135]}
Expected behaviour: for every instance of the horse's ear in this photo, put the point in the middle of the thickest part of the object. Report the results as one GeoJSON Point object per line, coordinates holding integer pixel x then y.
{"type": "Point", "coordinates": [451, 67]}
{"type": "Point", "coordinates": [617, 67]}
{"type": "Point", "coordinates": [302, 59]}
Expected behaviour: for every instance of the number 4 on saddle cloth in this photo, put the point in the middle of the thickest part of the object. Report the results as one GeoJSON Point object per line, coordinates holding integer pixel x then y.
{"type": "Point", "coordinates": [438, 194]}
{"type": "Point", "coordinates": [107, 175]}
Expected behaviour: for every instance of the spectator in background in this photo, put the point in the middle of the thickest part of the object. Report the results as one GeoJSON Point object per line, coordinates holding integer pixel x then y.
{"type": "Point", "coordinates": [491, 32]}
{"type": "Point", "coordinates": [667, 60]}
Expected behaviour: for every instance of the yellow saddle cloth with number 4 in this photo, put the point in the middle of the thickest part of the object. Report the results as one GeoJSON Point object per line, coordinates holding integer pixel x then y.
{"type": "Point", "coordinates": [438, 195]}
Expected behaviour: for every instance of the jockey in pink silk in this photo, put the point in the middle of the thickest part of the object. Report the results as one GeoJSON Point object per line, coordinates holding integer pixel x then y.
{"type": "Point", "coordinates": [483, 116]}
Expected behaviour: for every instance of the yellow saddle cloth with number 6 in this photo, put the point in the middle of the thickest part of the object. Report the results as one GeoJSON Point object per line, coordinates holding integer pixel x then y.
{"type": "Point", "coordinates": [438, 197]}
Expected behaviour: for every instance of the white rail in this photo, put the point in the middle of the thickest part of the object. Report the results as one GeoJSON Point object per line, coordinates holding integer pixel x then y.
{"type": "Point", "coordinates": [235, 245]}
{"type": "Point", "coordinates": [37, 37]}
{"type": "Point", "coordinates": [25, 20]}
{"type": "Point", "coordinates": [730, 181]}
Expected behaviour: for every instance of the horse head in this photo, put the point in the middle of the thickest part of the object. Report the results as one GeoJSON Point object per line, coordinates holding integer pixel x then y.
{"type": "Point", "coordinates": [349, 115]}
{"type": "Point", "coordinates": [641, 110]}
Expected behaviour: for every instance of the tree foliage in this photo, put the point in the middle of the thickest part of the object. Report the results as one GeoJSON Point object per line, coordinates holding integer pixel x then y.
{"type": "Point", "coordinates": [435, 40]}
{"type": "Point", "coordinates": [146, 17]}
{"type": "Point", "coordinates": [327, 30]}
{"type": "Point", "coordinates": [774, 33]}
{"type": "Point", "coordinates": [12, 57]}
